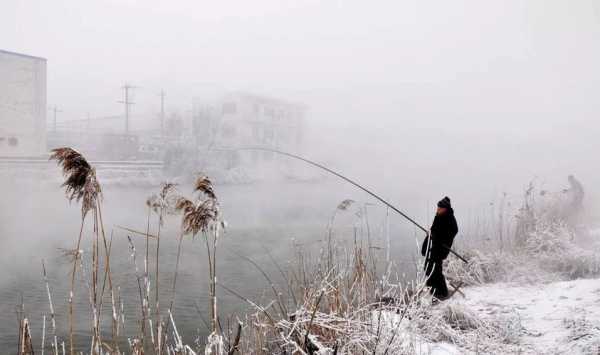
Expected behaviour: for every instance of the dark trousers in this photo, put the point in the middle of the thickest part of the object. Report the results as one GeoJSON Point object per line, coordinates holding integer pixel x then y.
{"type": "Point", "coordinates": [435, 278]}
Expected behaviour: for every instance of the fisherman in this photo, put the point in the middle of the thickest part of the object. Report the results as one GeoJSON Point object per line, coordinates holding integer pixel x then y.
{"type": "Point", "coordinates": [575, 193]}
{"type": "Point", "coordinates": [574, 206]}
{"type": "Point", "coordinates": [443, 231]}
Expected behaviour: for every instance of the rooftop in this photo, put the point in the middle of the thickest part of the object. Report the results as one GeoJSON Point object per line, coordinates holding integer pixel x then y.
{"type": "Point", "coordinates": [21, 55]}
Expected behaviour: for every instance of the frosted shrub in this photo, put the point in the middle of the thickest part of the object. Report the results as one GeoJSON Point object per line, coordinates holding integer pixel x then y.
{"type": "Point", "coordinates": [554, 249]}
{"type": "Point", "coordinates": [583, 337]}
{"type": "Point", "coordinates": [482, 268]}
{"type": "Point", "coordinates": [456, 324]}
{"type": "Point", "coordinates": [461, 318]}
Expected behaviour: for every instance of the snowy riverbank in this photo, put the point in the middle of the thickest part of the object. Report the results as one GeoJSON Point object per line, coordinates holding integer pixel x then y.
{"type": "Point", "coordinates": [554, 318]}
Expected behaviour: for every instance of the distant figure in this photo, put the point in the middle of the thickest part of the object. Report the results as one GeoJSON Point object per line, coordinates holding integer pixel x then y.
{"type": "Point", "coordinates": [575, 193]}
{"type": "Point", "coordinates": [443, 231]}
{"type": "Point", "coordinates": [574, 204]}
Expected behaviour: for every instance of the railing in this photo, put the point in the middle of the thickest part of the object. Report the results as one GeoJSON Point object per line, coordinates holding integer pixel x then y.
{"type": "Point", "coordinates": [99, 164]}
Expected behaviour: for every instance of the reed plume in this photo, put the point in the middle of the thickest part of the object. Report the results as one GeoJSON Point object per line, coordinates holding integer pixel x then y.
{"type": "Point", "coordinates": [204, 185]}
{"type": "Point", "coordinates": [202, 216]}
{"type": "Point", "coordinates": [184, 205]}
{"type": "Point", "coordinates": [344, 205]}
{"type": "Point", "coordinates": [197, 217]}
{"type": "Point", "coordinates": [81, 185]}
{"type": "Point", "coordinates": [164, 202]}
{"type": "Point", "coordinates": [75, 168]}
{"type": "Point", "coordinates": [80, 182]}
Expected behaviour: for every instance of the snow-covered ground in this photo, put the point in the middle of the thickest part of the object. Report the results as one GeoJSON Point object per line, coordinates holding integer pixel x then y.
{"type": "Point", "coordinates": [556, 318]}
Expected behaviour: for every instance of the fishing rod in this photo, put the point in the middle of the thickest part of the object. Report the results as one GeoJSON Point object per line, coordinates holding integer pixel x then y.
{"type": "Point", "coordinates": [349, 181]}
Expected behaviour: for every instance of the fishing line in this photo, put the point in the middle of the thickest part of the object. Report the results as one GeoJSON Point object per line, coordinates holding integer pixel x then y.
{"type": "Point", "coordinates": [380, 199]}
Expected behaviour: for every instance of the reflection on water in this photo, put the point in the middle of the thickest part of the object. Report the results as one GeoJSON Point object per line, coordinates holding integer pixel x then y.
{"type": "Point", "coordinates": [36, 222]}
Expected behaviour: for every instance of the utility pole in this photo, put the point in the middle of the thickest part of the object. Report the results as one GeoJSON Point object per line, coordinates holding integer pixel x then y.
{"type": "Point", "coordinates": [126, 102]}
{"type": "Point", "coordinates": [55, 110]}
{"type": "Point", "coordinates": [162, 112]}
{"type": "Point", "coordinates": [89, 122]}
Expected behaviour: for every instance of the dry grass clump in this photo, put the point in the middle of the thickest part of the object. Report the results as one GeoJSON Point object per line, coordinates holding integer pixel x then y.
{"type": "Point", "coordinates": [482, 268]}
{"type": "Point", "coordinates": [333, 312]}
{"type": "Point", "coordinates": [460, 318]}
{"type": "Point", "coordinates": [455, 324]}
{"type": "Point", "coordinates": [544, 247]}
{"type": "Point", "coordinates": [333, 304]}
{"type": "Point", "coordinates": [549, 253]}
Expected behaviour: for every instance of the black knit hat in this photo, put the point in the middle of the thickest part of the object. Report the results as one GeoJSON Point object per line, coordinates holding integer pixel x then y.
{"type": "Point", "coordinates": [444, 203]}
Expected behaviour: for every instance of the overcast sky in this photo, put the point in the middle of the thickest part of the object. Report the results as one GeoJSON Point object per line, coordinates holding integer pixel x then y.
{"type": "Point", "coordinates": [268, 45]}
{"type": "Point", "coordinates": [474, 79]}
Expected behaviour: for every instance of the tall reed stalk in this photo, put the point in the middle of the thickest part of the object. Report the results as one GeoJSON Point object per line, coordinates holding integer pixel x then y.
{"type": "Point", "coordinates": [201, 215]}
{"type": "Point", "coordinates": [82, 186]}
{"type": "Point", "coordinates": [162, 204]}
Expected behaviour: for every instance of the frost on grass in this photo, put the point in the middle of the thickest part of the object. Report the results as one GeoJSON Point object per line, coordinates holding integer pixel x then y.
{"type": "Point", "coordinates": [557, 252]}
{"type": "Point", "coordinates": [583, 337]}
{"type": "Point", "coordinates": [420, 328]}
{"type": "Point", "coordinates": [467, 328]}
{"type": "Point", "coordinates": [506, 310]}
{"type": "Point", "coordinates": [339, 303]}
{"type": "Point", "coordinates": [542, 242]}
{"type": "Point", "coordinates": [550, 253]}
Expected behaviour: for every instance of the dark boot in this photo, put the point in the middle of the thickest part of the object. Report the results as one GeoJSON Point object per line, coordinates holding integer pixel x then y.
{"type": "Point", "coordinates": [436, 279]}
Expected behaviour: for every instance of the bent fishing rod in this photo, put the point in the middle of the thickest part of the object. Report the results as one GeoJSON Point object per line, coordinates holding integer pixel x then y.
{"type": "Point", "coordinates": [322, 167]}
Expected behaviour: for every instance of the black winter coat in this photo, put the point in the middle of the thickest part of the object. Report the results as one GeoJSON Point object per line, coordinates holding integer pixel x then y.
{"type": "Point", "coordinates": [443, 231]}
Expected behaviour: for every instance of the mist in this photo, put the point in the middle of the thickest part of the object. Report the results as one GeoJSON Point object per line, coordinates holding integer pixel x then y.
{"type": "Point", "coordinates": [431, 86]}
{"type": "Point", "coordinates": [414, 100]}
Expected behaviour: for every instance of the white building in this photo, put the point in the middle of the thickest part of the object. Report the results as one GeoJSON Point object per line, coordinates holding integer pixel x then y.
{"type": "Point", "coordinates": [243, 120]}
{"type": "Point", "coordinates": [22, 105]}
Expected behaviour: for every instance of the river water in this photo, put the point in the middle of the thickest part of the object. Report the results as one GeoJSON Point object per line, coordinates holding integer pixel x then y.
{"type": "Point", "coordinates": [36, 223]}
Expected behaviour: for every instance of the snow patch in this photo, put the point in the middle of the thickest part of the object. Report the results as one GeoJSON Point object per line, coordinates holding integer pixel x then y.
{"type": "Point", "coordinates": [560, 317]}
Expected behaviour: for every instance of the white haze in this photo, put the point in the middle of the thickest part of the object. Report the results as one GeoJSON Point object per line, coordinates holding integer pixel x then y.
{"type": "Point", "coordinates": [415, 99]}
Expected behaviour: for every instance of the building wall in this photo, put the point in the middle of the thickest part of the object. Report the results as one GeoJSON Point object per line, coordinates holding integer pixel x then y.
{"type": "Point", "coordinates": [22, 105]}
{"type": "Point", "coordinates": [257, 121]}
{"type": "Point", "coordinates": [252, 121]}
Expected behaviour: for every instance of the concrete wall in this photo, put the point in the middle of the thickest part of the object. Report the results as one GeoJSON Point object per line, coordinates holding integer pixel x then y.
{"type": "Point", "coordinates": [22, 105]}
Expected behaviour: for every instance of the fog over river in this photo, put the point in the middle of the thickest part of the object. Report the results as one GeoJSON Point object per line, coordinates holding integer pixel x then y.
{"type": "Point", "coordinates": [38, 223]}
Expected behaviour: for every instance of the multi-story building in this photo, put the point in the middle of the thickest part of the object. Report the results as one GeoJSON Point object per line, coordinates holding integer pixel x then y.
{"type": "Point", "coordinates": [22, 105]}
{"type": "Point", "coordinates": [242, 120]}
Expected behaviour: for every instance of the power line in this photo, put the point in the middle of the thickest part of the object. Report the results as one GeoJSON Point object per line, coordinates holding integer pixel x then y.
{"type": "Point", "coordinates": [162, 112]}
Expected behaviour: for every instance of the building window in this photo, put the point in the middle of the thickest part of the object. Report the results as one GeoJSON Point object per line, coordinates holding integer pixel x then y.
{"type": "Point", "coordinates": [13, 142]}
{"type": "Point", "coordinates": [229, 108]}
{"type": "Point", "coordinates": [228, 131]}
